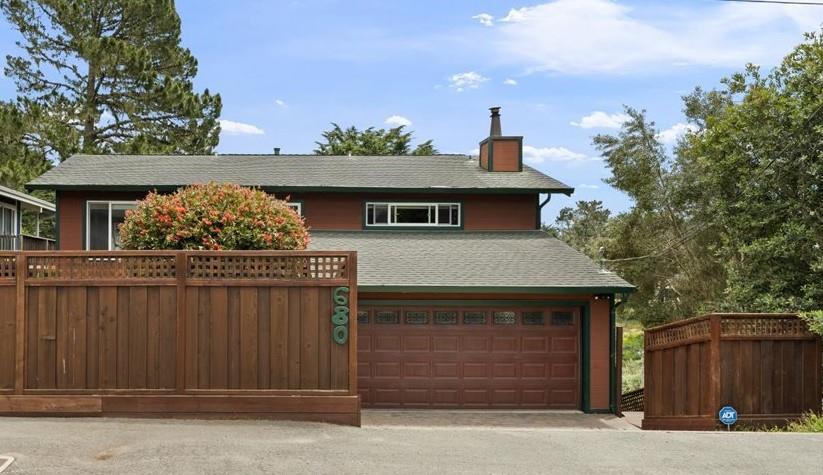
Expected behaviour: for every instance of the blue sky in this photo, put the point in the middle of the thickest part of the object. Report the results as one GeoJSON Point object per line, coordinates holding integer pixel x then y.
{"type": "Point", "coordinates": [561, 70]}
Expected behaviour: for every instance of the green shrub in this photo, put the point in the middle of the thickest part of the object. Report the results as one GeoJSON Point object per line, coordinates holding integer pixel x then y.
{"type": "Point", "coordinates": [214, 217]}
{"type": "Point", "coordinates": [810, 422]}
{"type": "Point", "coordinates": [632, 358]}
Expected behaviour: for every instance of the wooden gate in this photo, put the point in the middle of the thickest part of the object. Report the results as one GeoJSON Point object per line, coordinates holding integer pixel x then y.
{"type": "Point", "coordinates": [767, 366]}
{"type": "Point", "coordinates": [254, 334]}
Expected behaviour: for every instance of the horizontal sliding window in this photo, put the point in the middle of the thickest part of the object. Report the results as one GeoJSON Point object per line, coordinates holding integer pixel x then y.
{"type": "Point", "coordinates": [413, 214]}
{"type": "Point", "coordinates": [103, 220]}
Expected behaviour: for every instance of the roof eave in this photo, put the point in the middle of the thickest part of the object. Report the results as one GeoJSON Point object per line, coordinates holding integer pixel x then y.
{"type": "Point", "coordinates": [331, 189]}
{"type": "Point", "coordinates": [553, 290]}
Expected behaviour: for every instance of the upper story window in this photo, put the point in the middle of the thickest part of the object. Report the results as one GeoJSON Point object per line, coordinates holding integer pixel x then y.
{"type": "Point", "coordinates": [413, 214]}
{"type": "Point", "coordinates": [296, 206]}
{"type": "Point", "coordinates": [103, 220]}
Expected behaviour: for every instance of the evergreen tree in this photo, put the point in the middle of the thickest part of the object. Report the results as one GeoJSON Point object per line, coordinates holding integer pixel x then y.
{"type": "Point", "coordinates": [371, 141]}
{"type": "Point", "coordinates": [109, 76]}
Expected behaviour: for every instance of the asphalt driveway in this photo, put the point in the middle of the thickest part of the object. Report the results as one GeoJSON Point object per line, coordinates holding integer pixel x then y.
{"type": "Point", "coordinates": [132, 446]}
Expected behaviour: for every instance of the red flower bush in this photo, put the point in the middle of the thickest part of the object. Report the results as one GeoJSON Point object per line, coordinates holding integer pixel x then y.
{"type": "Point", "coordinates": [213, 216]}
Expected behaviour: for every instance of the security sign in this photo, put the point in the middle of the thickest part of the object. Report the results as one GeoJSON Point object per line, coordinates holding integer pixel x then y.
{"type": "Point", "coordinates": [727, 415]}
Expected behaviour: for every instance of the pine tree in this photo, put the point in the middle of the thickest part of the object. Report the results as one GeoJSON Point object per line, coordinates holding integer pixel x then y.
{"type": "Point", "coordinates": [371, 141]}
{"type": "Point", "coordinates": [109, 76]}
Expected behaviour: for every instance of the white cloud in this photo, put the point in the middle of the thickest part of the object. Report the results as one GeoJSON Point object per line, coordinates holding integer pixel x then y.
{"type": "Point", "coordinates": [673, 133]}
{"type": "Point", "coordinates": [397, 121]}
{"type": "Point", "coordinates": [607, 36]}
{"type": "Point", "coordinates": [600, 119]}
{"type": "Point", "coordinates": [469, 80]}
{"type": "Point", "coordinates": [484, 18]}
{"type": "Point", "coordinates": [231, 127]}
{"type": "Point", "coordinates": [510, 82]}
{"type": "Point", "coordinates": [281, 103]}
{"type": "Point", "coordinates": [552, 154]}
{"type": "Point", "coordinates": [588, 187]}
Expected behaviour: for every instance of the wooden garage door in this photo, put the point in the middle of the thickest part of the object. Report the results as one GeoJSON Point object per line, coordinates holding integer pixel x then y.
{"type": "Point", "coordinates": [469, 357]}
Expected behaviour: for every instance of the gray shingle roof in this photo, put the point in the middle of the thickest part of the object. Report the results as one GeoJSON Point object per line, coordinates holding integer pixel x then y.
{"type": "Point", "coordinates": [291, 172]}
{"type": "Point", "coordinates": [436, 259]}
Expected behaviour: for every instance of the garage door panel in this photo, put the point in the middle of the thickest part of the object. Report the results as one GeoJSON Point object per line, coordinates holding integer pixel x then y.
{"type": "Point", "coordinates": [508, 359]}
{"type": "Point", "coordinates": [416, 343]}
{"type": "Point", "coordinates": [475, 343]}
{"type": "Point", "coordinates": [445, 344]}
{"type": "Point", "coordinates": [509, 344]}
{"type": "Point", "coordinates": [564, 345]}
{"type": "Point", "coordinates": [387, 343]}
{"type": "Point", "coordinates": [416, 370]}
{"type": "Point", "coordinates": [475, 370]}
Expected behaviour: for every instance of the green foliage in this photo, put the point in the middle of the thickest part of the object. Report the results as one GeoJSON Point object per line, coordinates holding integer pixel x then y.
{"type": "Point", "coordinates": [814, 319]}
{"type": "Point", "coordinates": [371, 141]}
{"type": "Point", "coordinates": [810, 422]}
{"type": "Point", "coordinates": [632, 358]}
{"type": "Point", "coordinates": [215, 217]}
{"type": "Point", "coordinates": [108, 76]}
{"type": "Point", "coordinates": [582, 227]}
{"type": "Point", "coordinates": [19, 161]}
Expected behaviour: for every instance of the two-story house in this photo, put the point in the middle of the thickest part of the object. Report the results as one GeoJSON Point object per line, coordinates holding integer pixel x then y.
{"type": "Point", "coordinates": [463, 301]}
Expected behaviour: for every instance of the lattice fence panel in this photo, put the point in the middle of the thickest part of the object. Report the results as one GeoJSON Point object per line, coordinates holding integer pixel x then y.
{"type": "Point", "coordinates": [666, 336]}
{"type": "Point", "coordinates": [268, 267]}
{"type": "Point", "coordinates": [101, 267]}
{"type": "Point", "coordinates": [8, 267]}
{"type": "Point", "coordinates": [766, 326]}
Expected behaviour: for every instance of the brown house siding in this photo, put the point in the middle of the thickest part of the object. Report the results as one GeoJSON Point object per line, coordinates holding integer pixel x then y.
{"type": "Point", "coordinates": [506, 155]}
{"type": "Point", "coordinates": [331, 211]}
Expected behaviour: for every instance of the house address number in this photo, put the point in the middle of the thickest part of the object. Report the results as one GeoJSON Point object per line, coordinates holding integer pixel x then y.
{"type": "Point", "coordinates": [340, 317]}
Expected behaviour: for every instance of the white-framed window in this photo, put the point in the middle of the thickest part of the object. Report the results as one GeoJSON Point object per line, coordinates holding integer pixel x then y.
{"type": "Point", "coordinates": [103, 220]}
{"type": "Point", "coordinates": [402, 214]}
{"type": "Point", "coordinates": [297, 206]}
{"type": "Point", "coordinates": [8, 220]}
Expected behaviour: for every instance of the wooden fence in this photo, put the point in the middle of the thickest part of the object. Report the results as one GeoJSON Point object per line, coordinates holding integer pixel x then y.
{"type": "Point", "coordinates": [767, 366]}
{"type": "Point", "coordinates": [254, 334]}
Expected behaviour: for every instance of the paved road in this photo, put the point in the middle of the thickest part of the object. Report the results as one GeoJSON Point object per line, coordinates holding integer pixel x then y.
{"type": "Point", "coordinates": [131, 446]}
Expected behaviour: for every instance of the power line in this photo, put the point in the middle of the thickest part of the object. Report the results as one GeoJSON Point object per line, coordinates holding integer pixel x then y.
{"type": "Point", "coordinates": [777, 2]}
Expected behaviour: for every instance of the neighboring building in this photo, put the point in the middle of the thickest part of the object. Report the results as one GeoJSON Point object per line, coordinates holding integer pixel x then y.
{"type": "Point", "coordinates": [463, 301]}
{"type": "Point", "coordinates": [12, 206]}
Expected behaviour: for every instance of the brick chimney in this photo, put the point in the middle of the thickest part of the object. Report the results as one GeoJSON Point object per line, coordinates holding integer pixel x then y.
{"type": "Point", "coordinates": [498, 152]}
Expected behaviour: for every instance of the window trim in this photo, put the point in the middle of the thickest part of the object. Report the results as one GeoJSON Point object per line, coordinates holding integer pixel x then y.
{"type": "Point", "coordinates": [87, 216]}
{"type": "Point", "coordinates": [297, 205]}
{"type": "Point", "coordinates": [393, 203]}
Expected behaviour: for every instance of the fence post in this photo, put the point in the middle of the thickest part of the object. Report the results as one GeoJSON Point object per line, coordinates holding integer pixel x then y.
{"type": "Point", "coordinates": [180, 272]}
{"type": "Point", "coordinates": [20, 324]}
{"type": "Point", "coordinates": [714, 364]}
{"type": "Point", "coordinates": [352, 266]}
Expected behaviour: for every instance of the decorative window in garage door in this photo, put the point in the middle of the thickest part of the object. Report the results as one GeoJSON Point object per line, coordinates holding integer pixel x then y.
{"type": "Point", "coordinates": [563, 319]}
{"type": "Point", "coordinates": [417, 317]}
{"type": "Point", "coordinates": [533, 318]}
{"type": "Point", "coordinates": [474, 318]}
{"type": "Point", "coordinates": [387, 316]}
{"type": "Point", "coordinates": [505, 318]}
{"type": "Point", "coordinates": [363, 316]}
{"type": "Point", "coordinates": [445, 317]}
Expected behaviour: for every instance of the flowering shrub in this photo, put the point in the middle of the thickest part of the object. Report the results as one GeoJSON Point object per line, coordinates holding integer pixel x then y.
{"type": "Point", "coordinates": [213, 216]}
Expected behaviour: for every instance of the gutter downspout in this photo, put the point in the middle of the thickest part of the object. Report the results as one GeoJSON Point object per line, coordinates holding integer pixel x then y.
{"type": "Point", "coordinates": [540, 209]}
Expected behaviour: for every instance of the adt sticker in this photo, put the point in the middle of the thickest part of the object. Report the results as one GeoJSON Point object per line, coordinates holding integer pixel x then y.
{"type": "Point", "coordinates": [728, 415]}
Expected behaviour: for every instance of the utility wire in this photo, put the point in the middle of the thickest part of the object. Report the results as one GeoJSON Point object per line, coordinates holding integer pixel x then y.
{"type": "Point", "coordinates": [777, 2]}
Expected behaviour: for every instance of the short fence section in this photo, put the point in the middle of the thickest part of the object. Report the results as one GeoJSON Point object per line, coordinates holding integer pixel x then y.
{"type": "Point", "coordinates": [216, 333]}
{"type": "Point", "coordinates": [767, 366]}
